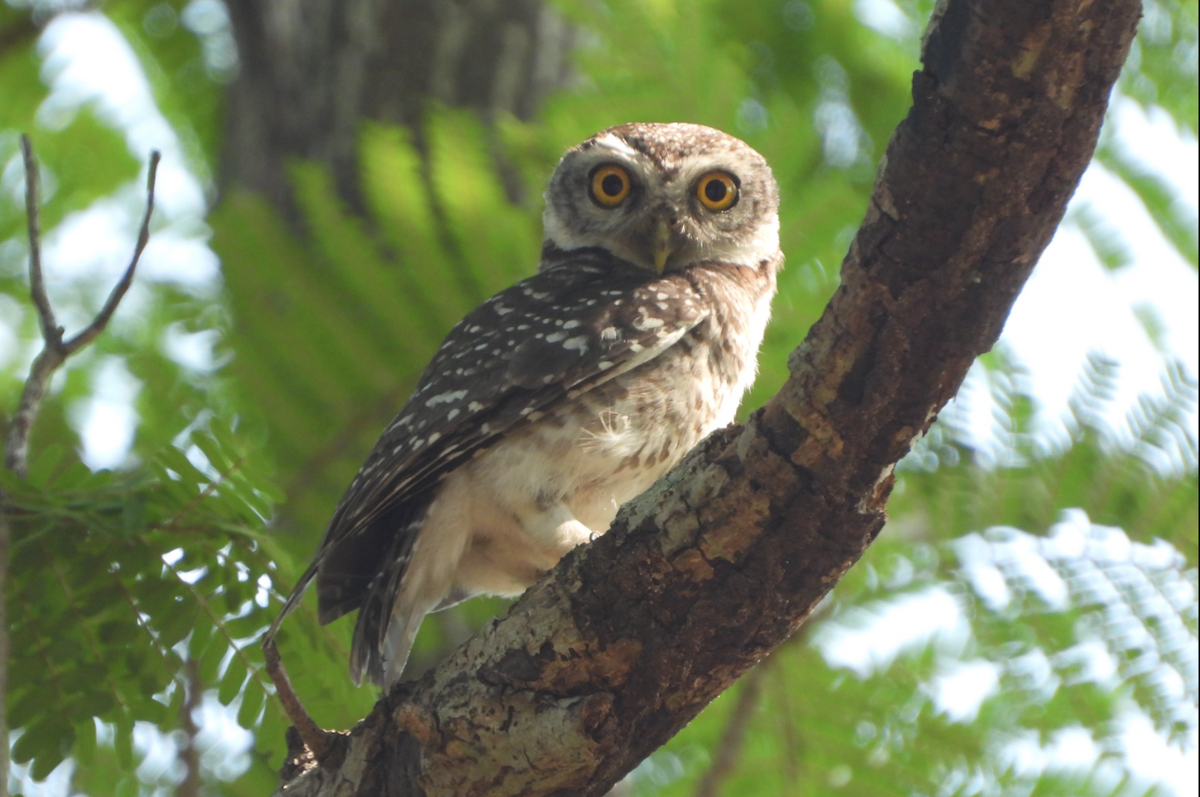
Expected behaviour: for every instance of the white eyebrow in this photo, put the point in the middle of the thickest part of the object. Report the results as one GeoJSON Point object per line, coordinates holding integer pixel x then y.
{"type": "Point", "coordinates": [609, 141]}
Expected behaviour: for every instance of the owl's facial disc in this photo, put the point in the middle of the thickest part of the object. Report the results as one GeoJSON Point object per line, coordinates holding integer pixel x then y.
{"type": "Point", "coordinates": [665, 197]}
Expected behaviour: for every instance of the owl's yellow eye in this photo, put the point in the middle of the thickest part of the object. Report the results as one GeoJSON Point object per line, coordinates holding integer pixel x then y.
{"type": "Point", "coordinates": [610, 185]}
{"type": "Point", "coordinates": [717, 190]}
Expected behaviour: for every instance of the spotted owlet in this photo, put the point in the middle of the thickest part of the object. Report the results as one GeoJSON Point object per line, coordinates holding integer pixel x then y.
{"type": "Point", "coordinates": [566, 395]}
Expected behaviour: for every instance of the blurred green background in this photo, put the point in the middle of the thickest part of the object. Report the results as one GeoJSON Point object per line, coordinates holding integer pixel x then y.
{"type": "Point", "coordinates": [1025, 625]}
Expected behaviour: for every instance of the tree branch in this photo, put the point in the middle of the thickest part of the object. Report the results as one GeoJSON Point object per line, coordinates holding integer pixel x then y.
{"type": "Point", "coordinates": [55, 350]}
{"type": "Point", "coordinates": [93, 330]}
{"type": "Point", "coordinates": [631, 636]}
{"type": "Point", "coordinates": [321, 744]}
{"type": "Point", "coordinates": [54, 353]}
{"type": "Point", "coordinates": [51, 331]}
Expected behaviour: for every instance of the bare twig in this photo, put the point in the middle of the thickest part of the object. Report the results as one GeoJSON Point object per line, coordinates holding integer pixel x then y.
{"type": "Point", "coordinates": [54, 353]}
{"type": "Point", "coordinates": [55, 350]}
{"type": "Point", "coordinates": [37, 286]}
{"type": "Point", "coordinates": [320, 742]}
{"type": "Point", "coordinates": [92, 330]}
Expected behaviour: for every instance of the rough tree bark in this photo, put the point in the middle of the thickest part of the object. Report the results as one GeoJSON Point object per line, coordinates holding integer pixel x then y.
{"type": "Point", "coordinates": [312, 70]}
{"type": "Point", "coordinates": [631, 636]}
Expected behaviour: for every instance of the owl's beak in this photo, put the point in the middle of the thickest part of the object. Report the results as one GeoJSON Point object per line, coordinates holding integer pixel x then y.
{"type": "Point", "coordinates": [663, 245]}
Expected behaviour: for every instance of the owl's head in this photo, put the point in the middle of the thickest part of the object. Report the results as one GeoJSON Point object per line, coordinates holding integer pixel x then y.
{"type": "Point", "coordinates": [664, 197]}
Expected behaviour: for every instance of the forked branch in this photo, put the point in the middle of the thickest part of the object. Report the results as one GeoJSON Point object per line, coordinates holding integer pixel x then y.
{"type": "Point", "coordinates": [56, 350]}
{"type": "Point", "coordinates": [54, 353]}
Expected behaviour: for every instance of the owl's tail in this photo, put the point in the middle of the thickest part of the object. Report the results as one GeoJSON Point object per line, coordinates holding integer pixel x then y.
{"type": "Point", "coordinates": [386, 627]}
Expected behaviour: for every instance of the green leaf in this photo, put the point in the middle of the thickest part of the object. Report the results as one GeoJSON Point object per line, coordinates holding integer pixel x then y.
{"type": "Point", "coordinates": [210, 661]}
{"type": "Point", "coordinates": [53, 754]}
{"type": "Point", "coordinates": [1161, 71]}
{"type": "Point", "coordinates": [43, 466]}
{"type": "Point", "coordinates": [95, 703]}
{"type": "Point", "coordinates": [128, 787]}
{"type": "Point", "coordinates": [246, 626]}
{"type": "Point", "coordinates": [231, 681]}
{"type": "Point", "coordinates": [85, 741]}
{"type": "Point", "coordinates": [1106, 240]}
{"type": "Point", "coordinates": [123, 740]}
{"type": "Point", "coordinates": [216, 457]}
{"type": "Point", "coordinates": [174, 459]}
{"type": "Point", "coordinates": [33, 741]}
{"type": "Point", "coordinates": [1173, 215]}
{"type": "Point", "coordinates": [202, 634]}
{"type": "Point", "coordinates": [252, 703]}
{"type": "Point", "coordinates": [174, 625]}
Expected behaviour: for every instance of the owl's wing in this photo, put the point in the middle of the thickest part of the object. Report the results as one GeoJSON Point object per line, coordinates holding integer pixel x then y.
{"type": "Point", "coordinates": [546, 340]}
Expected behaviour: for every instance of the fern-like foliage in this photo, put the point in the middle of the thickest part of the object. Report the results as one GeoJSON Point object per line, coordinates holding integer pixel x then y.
{"type": "Point", "coordinates": [1139, 475]}
{"type": "Point", "coordinates": [117, 580]}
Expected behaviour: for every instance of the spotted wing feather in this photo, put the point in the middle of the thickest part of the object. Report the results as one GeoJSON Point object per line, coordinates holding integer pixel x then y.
{"type": "Point", "coordinates": [541, 342]}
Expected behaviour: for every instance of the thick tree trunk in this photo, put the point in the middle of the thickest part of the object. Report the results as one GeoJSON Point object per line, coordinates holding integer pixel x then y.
{"type": "Point", "coordinates": [312, 71]}
{"type": "Point", "coordinates": [631, 636]}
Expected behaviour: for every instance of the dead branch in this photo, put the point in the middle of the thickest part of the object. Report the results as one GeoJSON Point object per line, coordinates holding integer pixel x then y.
{"type": "Point", "coordinates": [54, 353]}
{"type": "Point", "coordinates": [55, 350]}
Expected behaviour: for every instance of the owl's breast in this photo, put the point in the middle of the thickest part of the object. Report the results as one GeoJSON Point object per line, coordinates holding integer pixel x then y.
{"type": "Point", "coordinates": [595, 451]}
{"type": "Point", "coordinates": [635, 428]}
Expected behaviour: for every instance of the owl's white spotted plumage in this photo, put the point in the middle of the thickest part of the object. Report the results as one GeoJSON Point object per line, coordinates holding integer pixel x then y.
{"type": "Point", "coordinates": [564, 396]}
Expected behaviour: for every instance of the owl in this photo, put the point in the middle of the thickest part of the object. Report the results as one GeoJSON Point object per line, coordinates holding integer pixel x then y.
{"type": "Point", "coordinates": [559, 399]}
